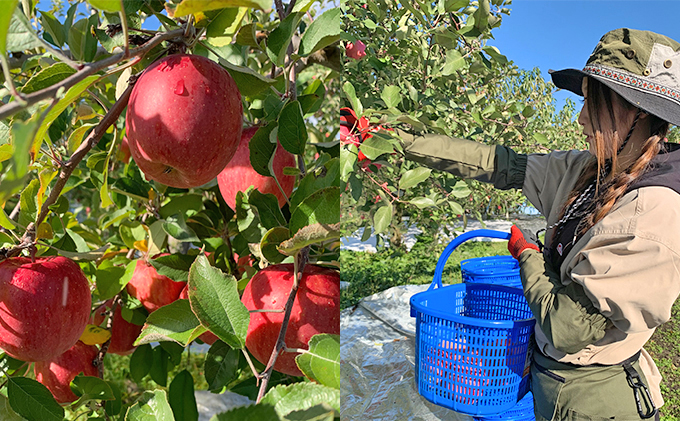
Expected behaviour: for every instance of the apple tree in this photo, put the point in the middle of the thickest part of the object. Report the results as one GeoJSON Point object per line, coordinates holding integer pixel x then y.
{"type": "Point", "coordinates": [164, 263]}
{"type": "Point", "coordinates": [431, 67]}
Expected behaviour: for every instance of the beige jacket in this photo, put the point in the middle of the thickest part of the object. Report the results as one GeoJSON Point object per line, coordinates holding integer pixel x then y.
{"type": "Point", "coordinates": [628, 263]}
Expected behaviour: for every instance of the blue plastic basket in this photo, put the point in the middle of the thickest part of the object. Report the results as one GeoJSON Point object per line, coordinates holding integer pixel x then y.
{"type": "Point", "coordinates": [523, 411]}
{"type": "Point", "coordinates": [499, 270]}
{"type": "Point", "coordinates": [472, 341]}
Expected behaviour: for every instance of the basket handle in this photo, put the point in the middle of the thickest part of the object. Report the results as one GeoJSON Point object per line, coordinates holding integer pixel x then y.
{"type": "Point", "coordinates": [455, 243]}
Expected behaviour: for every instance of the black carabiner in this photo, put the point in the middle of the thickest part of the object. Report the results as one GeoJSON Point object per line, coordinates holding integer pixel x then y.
{"type": "Point", "coordinates": [636, 383]}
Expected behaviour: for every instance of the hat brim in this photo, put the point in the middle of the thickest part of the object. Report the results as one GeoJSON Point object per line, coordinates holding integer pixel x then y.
{"type": "Point", "coordinates": [571, 80]}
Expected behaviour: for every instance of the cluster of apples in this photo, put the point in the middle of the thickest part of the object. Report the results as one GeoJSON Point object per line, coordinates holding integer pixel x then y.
{"type": "Point", "coordinates": [183, 129]}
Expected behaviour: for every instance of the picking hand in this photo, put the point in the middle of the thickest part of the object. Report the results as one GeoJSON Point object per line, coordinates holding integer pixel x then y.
{"type": "Point", "coordinates": [521, 240]}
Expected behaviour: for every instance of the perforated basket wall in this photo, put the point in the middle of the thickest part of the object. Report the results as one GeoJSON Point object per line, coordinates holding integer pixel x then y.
{"type": "Point", "coordinates": [498, 270]}
{"type": "Point", "coordinates": [523, 411]}
{"type": "Point", "coordinates": [471, 346]}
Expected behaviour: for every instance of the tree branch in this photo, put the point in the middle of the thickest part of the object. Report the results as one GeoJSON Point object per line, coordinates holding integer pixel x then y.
{"type": "Point", "coordinates": [300, 262]}
{"type": "Point", "coordinates": [87, 70]}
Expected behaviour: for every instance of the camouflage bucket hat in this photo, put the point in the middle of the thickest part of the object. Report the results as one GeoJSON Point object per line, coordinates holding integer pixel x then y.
{"type": "Point", "coordinates": [641, 66]}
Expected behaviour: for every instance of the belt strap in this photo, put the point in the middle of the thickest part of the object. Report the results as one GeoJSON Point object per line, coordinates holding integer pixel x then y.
{"type": "Point", "coordinates": [636, 383]}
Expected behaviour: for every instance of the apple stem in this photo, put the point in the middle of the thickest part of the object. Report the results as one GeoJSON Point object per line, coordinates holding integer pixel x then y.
{"type": "Point", "coordinates": [301, 259]}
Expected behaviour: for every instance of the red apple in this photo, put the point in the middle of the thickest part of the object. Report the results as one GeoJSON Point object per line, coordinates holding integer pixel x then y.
{"type": "Point", "coordinates": [316, 309]}
{"type": "Point", "coordinates": [238, 175]}
{"type": "Point", "coordinates": [58, 374]}
{"type": "Point", "coordinates": [184, 120]}
{"type": "Point", "coordinates": [207, 337]}
{"type": "Point", "coordinates": [123, 333]}
{"type": "Point", "coordinates": [355, 50]}
{"type": "Point", "coordinates": [124, 151]}
{"type": "Point", "coordinates": [44, 306]}
{"type": "Point", "coordinates": [152, 289]}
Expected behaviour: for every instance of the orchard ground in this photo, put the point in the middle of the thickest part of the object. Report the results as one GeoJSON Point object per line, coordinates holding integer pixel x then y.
{"type": "Point", "coordinates": [367, 271]}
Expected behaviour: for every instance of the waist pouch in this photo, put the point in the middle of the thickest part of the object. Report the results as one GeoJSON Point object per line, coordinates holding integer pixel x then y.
{"type": "Point", "coordinates": [571, 392]}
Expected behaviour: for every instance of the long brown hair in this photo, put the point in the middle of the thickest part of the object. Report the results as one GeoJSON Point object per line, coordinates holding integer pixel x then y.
{"type": "Point", "coordinates": [608, 192]}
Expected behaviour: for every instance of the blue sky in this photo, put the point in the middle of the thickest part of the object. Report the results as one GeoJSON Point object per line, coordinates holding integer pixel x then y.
{"type": "Point", "coordinates": [559, 34]}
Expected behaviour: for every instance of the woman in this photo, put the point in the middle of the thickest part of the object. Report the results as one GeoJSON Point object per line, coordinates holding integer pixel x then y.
{"type": "Point", "coordinates": [609, 272]}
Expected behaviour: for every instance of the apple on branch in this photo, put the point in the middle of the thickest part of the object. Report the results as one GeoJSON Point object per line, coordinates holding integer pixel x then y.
{"type": "Point", "coordinates": [57, 374]}
{"type": "Point", "coordinates": [316, 309]}
{"type": "Point", "coordinates": [239, 174]}
{"type": "Point", "coordinates": [184, 120]}
{"type": "Point", "coordinates": [123, 333]}
{"type": "Point", "coordinates": [152, 289]}
{"type": "Point", "coordinates": [44, 306]}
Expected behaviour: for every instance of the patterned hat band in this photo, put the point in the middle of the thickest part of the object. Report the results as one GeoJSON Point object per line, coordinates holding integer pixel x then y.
{"type": "Point", "coordinates": [630, 80]}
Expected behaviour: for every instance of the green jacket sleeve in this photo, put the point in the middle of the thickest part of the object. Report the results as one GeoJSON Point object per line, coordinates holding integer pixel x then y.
{"type": "Point", "coordinates": [564, 313]}
{"type": "Point", "coordinates": [497, 164]}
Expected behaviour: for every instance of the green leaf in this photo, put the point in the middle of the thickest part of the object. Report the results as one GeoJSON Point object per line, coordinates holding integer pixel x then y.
{"type": "Point", "coordinates": [77, 136]}
{"type": "Point", "coordinates": [6, 411]}
{"type": "Point", "coordinates": [112, 279]}
{"type": "Point", "coordinates": [248, 81]}
{"type": "Point", "coordinates": [270, 243]}
{"type": "Point", "coordinates": [23, 134]}
{"type": "Point", "coordinates": [262, 149]}
{"type": "Point", "coordinates": [160, 366]}
{"type": "Point", "coordinates": [351, 93]}
{"type": "Point", "coordinates": [299, 396]}
{"type": "Point", "coordinates": [482, 14]}
{"type": "Point", "coordinates": [495, 54]}
{"type": "Point", "coordinates": [347, 161]}
{"type": "Point", "coordinates": [21, 35]}
{"type": "Point", "coordinates": [324, 31]}
{"type": "Point", "coordinates": [188, 7]}
{"type": "Point", "coordinates": [456, 208]}
{"type": "Point", "coordinates": [322, 207]}
{"type": "Point", "coordinates": [5, 222]}
{"type": "Point", "coordinates": [140, 362]}
{"type": "Point", "coordinates": [259, 412]}
{"type": "Point", "coordinates": [173, 322]}
{"type": "Point", "coordinates": [71, 95]}
{"type": "Point", "coordinates": [391, 95]}
{"type": "Point", "coordinates": [115, 405]}
{"type": "Point", "coordinates": [181, 396]}
{"type": "Point", "coordinates": [5, 18]}
{"type": "Point", "coordinates": [528, 111]}
{"type": "Point", "coordinates": [174, 266]}
{"type": "Point", "coordinates": [312, 97]}
{"type": "Point", "coordinates": [422, 202]}
{"type": "Point", "coordinates": [29, 203]}
{"type": "Point", "coordinates": [382, 218]}
{"type": "Point", "coordinates": [176, 227]}
{"type": "Point", "coordinates": [48, 77]}
{"type": "Point", "coordinates": [157, 237]}
{"type": "Point", "coordinates": [461, 190]}
{"type": "Point", "coordinates": [454, 61]}
{"type": "Point", "coordinates": [81, 41]}
{"type": "Point", "coordinates": [322, 362]}
{"type": "Point", "coordinates": [326, 176]}
{"type": "Point", "coordinates": [182, 204]}
{"type": "Point", "coordinates": [111, 6]}
{"type": "Point", "coordinates": [222, 28]}
{"type": "Point", "coordinates": [88, 388]}
{"type": "Point", "coordinates": [312, 234]}
{"type": "Point", "coordinates": [279, 39]}
{"type": "Point", "coordinates": [292, 130]}
{"type": "Point", "coordinates": [221, 365]}
{"type": "Point", "coordinates": [131, 232]}
{"type": "Point", "coordinates": [216, 302]}
{"type": "Point", "coordinates": [376, 146]}
{"type": "Point", "coordinates": [151, 406]}
{"type": "Point", "coordinates": [414, 177]}
{"type": "Point", "coordinates": [268, 210]}
{"type": "Point", "coordinates": [32, 400]}
{"type": "Point", "coordinates": [53, 27]}
{"type": "Point", "coordinates": [540, 137]}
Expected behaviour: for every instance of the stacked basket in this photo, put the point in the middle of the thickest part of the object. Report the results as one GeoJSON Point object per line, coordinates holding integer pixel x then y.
{"type": "Point", "coordinates": [472, 339]}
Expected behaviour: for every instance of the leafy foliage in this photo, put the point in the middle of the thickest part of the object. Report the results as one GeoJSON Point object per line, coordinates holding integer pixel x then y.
{"type": "Point", "coordinates": [67, 187]}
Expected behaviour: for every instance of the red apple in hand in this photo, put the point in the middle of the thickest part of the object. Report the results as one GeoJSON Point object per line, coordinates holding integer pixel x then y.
{"type": "Point", "coordinates": [184, 120]}
{"type": "Point", "coordinates": [238, 175]}
{"type": "Point", "coordinates": [152, 289]}
{"type": "Point", "coordinates": [58, 374]}
{"type": "Point", "coordinates": [44, 306]}
{"type": "Point", "coordinates": [207, 337]}
{"type": "Point", "coordinates": [316, 309]}
{"type": "Point", "coordinates": [123, 333]}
